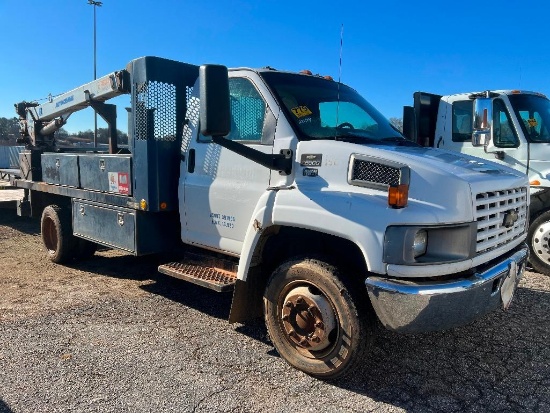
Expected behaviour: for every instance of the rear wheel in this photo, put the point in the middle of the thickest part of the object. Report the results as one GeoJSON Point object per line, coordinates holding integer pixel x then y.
{"type": "Point", "coordinates": [314, 320]}
{"type": "Point", "coordinates": [57, 234]}
{"type": "Point", "coordinates": [539, 243]}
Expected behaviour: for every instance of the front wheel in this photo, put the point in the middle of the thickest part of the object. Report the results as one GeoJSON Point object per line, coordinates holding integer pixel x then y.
{"type": "Point", "coordinates": [539, 243]}
{"type": "Point", "coordinates": [314, 319]}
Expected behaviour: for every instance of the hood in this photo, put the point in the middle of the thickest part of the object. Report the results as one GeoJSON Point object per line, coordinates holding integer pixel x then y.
{"type": "Point", "coordinates": [446, 180]}
{"type": "Point", "coordinates": [464, 166]}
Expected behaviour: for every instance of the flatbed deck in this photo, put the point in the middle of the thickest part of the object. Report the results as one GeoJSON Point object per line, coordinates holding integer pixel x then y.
{"type": "Point", "coordinates": [5, 174]}
{"type": "Point", "coordinates": [9, 195]}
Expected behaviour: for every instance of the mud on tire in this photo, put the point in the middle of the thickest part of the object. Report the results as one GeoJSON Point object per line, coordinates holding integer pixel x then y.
{"type": "Point", "coordinates": [316, 320]}
{"type": "Point", "coordinates": [57, 234]}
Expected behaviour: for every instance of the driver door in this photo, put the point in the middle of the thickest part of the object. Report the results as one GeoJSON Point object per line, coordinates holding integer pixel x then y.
{"type": "Point", "coordinates": [222, 188]}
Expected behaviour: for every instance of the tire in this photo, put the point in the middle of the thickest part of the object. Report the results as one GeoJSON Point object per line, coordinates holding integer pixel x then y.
{"type": "Point", "coordinates": [539, 243]}
{"type": "Point", "coordinates": [57, 234]}
{"type": "Point", "coordinates": [315, 321]}
{"type": "Point", "coordinates": [85, 249]}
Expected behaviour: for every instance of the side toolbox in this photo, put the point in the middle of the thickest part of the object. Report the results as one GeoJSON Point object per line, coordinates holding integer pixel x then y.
{"type": "Point", "coordinates": [138, 232]}
{"type": "Point", "coordinates": [106, 173]}
{"type": "Point", "coordinates": [107, 225]}
{"type": "Point", "coordinates": [60, 169]}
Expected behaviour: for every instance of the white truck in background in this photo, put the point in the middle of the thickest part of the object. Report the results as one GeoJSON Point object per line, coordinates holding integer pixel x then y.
{"type": "Point", "coordinates": [289, 189]}
{"type": "Point", "coordinates": [517, 128]}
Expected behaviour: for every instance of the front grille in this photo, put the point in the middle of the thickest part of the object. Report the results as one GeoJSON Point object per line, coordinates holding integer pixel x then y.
{"type": "Point", "coordinates": [495, 210]}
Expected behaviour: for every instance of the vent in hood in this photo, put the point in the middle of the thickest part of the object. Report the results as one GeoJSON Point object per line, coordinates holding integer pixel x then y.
{"type": "Point", "coordinates": [376, 173]}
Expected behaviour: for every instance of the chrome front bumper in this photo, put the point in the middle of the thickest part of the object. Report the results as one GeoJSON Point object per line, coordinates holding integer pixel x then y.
{"type": "Point", "coordinates": [411, 307]}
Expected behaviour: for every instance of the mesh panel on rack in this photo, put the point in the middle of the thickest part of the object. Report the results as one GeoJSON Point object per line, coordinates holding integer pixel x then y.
{"type": "Point", "coordinates": [156, 111]}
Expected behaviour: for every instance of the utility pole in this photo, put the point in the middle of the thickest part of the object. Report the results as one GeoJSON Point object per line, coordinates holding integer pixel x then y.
{"type": "Point", "coordinates": [95, 4]}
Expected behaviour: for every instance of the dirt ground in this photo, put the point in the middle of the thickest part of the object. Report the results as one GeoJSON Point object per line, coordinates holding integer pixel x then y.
{"type": "Point", "coordinates": [31, 285]}
{"type": "Point", "coordinates": [111, 334]}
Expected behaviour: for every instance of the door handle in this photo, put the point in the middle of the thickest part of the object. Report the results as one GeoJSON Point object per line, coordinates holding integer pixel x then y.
{"type": "Point", "coordinates": [191, 161]}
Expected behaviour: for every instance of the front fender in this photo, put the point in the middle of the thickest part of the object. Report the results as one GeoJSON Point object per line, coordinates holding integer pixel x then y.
{"type": "Point", "coordinates": [361, 218]}
{"type": "Point", "coordinates": [261, 218]}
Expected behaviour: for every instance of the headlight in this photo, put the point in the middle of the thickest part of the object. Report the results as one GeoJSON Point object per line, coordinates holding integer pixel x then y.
{"type": "Point", "coordinates": [408, 245]}
{"type": "Point", "coordinates": [420, 243]}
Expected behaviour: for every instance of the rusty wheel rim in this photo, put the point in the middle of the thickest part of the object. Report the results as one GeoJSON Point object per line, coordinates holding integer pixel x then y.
{"type": "Point", "coordinates": [49, 235]}
{"type": "Point", "coordinates": [308, 319]}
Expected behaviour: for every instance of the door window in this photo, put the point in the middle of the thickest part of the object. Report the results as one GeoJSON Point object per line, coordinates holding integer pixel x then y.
{"type": "Point", "coordinates": [504, 134]}
{"type": "Point", "coordinates": [462, 120]}
{"type": "Point", "coordinates": [247, 111]}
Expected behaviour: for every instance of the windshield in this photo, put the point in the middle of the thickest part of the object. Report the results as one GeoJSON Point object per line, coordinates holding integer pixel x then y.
{"type": "Point", "coordinates": [533, 111]}
{"type": "Point", "coordinates": [319, 109]}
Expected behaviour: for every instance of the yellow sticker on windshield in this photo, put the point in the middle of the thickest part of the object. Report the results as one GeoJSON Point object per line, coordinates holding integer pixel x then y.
{"type": "Point", "coordinates": [301, 111]}
{"type": "Point", "coordinates": [532, 122]}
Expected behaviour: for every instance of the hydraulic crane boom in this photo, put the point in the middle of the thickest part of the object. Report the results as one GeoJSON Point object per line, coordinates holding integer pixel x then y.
{"type": "Point", "coordinates": [38, 122]}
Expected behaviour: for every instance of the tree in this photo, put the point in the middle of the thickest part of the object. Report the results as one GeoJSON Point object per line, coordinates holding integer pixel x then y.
{"type": "Point", "coordinates": [9, 130]}
{"type": "Point", "coordinates": [397, 123]}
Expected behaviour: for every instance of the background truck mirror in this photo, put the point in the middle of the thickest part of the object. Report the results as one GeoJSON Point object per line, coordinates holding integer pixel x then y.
{"type": "Point", "coordinates": [215, 116]}
{"type": "Point", "coordinates": [483, 122]}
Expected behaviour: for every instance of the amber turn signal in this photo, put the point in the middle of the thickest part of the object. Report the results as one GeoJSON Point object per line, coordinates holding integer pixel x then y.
{"type": "Point", "coordinates": [398, 196]}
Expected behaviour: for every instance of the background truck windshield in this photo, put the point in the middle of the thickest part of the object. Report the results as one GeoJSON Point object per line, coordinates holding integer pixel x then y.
{"type": "Point", "coordinates": [319, 109]}
{"type": "Point", "coordinates": [533, 112]}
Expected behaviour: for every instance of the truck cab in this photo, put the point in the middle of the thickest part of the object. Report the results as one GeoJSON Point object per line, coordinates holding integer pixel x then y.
{"type": "Point", "coordinates": [519, 137]}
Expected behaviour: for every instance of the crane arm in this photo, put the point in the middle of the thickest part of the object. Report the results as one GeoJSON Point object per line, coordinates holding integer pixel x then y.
{"type": "Point", "coordinates": [38, 122]}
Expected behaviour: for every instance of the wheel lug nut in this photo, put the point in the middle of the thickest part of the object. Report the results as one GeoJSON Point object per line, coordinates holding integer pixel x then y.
{"type": "Point", "coordinates": [300, 299]}
{"type": "Point", "coordinates": [289, 304]}
{"type": "Point", "coordinates": [319, 324]}
{"type": "Point", "coordinates": [315, 339]}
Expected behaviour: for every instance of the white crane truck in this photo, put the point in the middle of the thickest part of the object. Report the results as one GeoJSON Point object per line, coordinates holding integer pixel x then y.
{"type": "Point", "coordinates": [289, 189]}
{"type": "Point", "coordinates": [518, 135]}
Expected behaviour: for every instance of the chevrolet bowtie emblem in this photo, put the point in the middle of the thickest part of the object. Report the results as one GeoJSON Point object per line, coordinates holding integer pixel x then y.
{"type": "Point", "coordinates": [510, 218]}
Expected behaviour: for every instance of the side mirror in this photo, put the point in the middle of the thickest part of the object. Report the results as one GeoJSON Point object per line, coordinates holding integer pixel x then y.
{"type": "Point", "coordinates": [215, 113]}
{"type": "Point", "coordinates": [483, 122]}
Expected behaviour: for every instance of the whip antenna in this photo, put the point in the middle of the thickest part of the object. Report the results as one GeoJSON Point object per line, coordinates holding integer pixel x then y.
{"type": "Point", "coordinates": [339, 72]}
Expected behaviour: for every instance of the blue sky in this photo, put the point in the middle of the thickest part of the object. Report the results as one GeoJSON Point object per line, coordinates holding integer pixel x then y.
{"type": "Point", "coordinates": [390, 49]}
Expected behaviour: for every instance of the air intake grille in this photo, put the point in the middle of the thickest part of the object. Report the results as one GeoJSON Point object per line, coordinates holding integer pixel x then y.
{"type": "Point", "coordinates": [501, 217]}
{"type": "Point", "coordinates": [374, 172]}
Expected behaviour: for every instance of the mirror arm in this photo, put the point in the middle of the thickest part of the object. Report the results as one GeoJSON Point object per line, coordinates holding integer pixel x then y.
{"type": "Point", "coordinates": [278, 162]}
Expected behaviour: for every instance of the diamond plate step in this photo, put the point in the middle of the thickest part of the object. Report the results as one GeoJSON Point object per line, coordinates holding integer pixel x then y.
{"type": "Point", "coordinates": [209, 276]}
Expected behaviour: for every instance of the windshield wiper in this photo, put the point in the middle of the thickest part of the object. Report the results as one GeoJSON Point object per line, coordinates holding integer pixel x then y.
{"type": "Point", "coordinates": [356, 139]}
{"type": "Point", "coordinates": [399, 141]}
